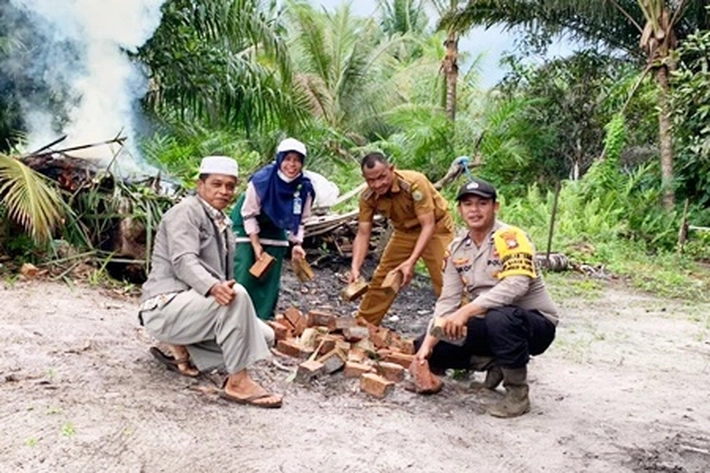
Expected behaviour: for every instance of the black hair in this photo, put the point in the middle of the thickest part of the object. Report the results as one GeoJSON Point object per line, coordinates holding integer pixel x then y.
{"type": "Point", "coordinates": [371, 159]}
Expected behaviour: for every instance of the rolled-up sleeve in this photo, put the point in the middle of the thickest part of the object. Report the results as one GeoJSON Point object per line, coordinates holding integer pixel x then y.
{"type": "Point", "coordinates": [184, 251]}
{"type": "Point", "coordinates": [251, 209]}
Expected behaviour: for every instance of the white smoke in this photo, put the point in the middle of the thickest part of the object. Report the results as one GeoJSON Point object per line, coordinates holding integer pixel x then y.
{"type": "Point", "coordinates": [86, 65]}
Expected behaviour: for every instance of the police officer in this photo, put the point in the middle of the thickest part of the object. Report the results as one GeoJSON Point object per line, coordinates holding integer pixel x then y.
{"type": "Point", "coordinates": [494, 302]}
{"type": "Point", "coordinates": [422, 229]}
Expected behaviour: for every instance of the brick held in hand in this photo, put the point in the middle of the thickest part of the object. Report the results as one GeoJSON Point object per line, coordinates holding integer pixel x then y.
{"type": "Point", "coordinates": [436, 329]}
{"type": "Point", "coordinates": [262, 266]}
{"type": "Point", "coordinates": [354, 290]}
{"type": "Point", "coordinates": [376, 385]}
{"type": "Point", "coordinates": [425, 382]}
{"type": "Point", "coordinates": [302, 269]}
{"type": "Point", "coordinates": [393, 281]}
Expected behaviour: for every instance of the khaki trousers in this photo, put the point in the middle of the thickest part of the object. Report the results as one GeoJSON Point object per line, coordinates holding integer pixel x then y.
{"type": "Point", "coordinates": [216, 336]}
{"type": "Point", "coordinates": [377, 301]}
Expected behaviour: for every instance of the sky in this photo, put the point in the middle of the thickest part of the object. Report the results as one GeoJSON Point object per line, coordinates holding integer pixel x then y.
{"type": "Point", "coordinates": [491, 43]}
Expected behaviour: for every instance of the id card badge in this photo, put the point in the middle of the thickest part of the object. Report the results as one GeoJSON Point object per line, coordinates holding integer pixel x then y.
{"type": "Point", "coordinates": [297, 205]}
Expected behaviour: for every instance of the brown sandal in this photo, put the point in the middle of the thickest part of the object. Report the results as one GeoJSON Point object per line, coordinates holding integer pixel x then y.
{"type": "Point", "coordinates": [173, 364]}
{"type": "Point", "coordinates": [251, 400]}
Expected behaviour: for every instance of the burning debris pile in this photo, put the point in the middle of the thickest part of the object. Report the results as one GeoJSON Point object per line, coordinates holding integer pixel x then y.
{"type": "Point", "coordinates": [325, 343]}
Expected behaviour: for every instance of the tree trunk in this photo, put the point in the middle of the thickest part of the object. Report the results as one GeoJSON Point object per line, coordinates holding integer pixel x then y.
{"type": "Point", "coordinates": [665, 137]}
{"type": "Point", "coordinates": [450, 68]}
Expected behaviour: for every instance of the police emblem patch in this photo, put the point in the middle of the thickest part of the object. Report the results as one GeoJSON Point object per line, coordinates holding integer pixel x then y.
{"type": "Point", "coordinates": [417, 196]}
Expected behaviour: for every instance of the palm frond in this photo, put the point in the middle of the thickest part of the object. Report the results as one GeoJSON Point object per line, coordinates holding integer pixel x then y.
{"type": "Point", "coordinates": [29, 199]}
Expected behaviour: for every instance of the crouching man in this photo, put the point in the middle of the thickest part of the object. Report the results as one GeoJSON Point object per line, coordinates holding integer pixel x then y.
{"type": "Point", "coordinates": [190, 300]}
{"type": "Point", "coordinates": [494, 303]}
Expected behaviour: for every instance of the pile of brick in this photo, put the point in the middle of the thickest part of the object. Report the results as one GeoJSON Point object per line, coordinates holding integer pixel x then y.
{"type": "Point", "coordinates": [329, 343]}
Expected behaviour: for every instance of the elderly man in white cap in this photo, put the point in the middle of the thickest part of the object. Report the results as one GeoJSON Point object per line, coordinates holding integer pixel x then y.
{"type": "Point", "coordinates": [191, 301]}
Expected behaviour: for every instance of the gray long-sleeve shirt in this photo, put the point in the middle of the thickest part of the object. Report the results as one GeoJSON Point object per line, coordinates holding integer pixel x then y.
{"type": "Point", "coordinates": [489, 279]}
{"type": "Point", "coordinates": [190, 251]}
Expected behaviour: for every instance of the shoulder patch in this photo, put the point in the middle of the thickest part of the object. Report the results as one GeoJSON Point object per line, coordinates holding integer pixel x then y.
{"type": "Point", "coordinates": [417, 195]}
{"type": "Point", "coordinates": [515, 251]}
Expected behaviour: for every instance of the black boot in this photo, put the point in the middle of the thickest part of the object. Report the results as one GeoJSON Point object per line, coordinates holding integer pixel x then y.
{"type": "Point", "coordinates": [516, 401]}
{"type": "Point", "coordinates": [494, 375]}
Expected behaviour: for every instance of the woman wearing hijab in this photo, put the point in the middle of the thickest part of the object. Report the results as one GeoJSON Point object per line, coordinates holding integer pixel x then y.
{"type": "Point", "coordinates": [267, 217]}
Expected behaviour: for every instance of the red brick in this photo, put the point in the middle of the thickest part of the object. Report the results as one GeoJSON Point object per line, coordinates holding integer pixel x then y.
{"type": "Point", "coordinates": [281, 331]}
{"type": "Point", "coordinates": [375, 385]}
{"type": "Point", "coordinates": [296, 319]}
{"type": "Point", "coordinates": [354, 334]}
{"type": "Point", "coordinates": [291, 347]}
{"type": "Point", "coordinates": [354, 290]}
{"type": "Point", "coordinates": [357, 354]}
{"type": "Point", "coordinates": [308, 370]}
{"type": "Point", "coordinates": [391, 371]}
{"type": "Point", "coordinates": [319, 318]}
{"type": "Point", "coordinates": [339, 323]}
{"type": "Point", "coordinates": [354, 369]}
{"type": "Point", "coordinates": [308, 338]}
{"type": "Point", "coordinates": [404, 345]}
{"type": "Point", "coordinates": [393, 281]}
{"type": "Point", "coordinates": [401, 359]}
{"type": "Point", "coordinates": [425, 382]}
{"type": "Point", "coordinates": [365, 344]}
{"type": "Point", "coordinates": [381, 337]}
{"type": "Point", "coordinates": [343, 346]}
{"type": "Point", "coordinates": [262, 266]}
{"type": "Point", "coordinates": [332, 361]}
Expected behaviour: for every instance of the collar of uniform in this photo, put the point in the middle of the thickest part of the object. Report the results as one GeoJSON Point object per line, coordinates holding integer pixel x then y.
{"type": "Point", "coordinates": [395, 183]}
{"type": "Point", "coordinates": [466, 236]}
{"type": "Point", "coordinates": [496, 226]}
{"type": "Point", "coordinates": [216, 215]}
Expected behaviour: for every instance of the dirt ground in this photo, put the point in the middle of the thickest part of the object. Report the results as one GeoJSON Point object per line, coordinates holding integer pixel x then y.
{"type": "Point", "coordinates": [625, 387]}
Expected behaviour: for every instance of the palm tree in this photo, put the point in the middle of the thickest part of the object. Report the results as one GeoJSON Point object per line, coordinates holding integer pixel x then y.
{"type": "Point", "coordinates": [646, 29]}
{"type": "Point", "coordinates": [221, 62]}
{"type": "Point", "coordinates": [450, 64]}
{"type": "Point", "coordinates": [343, 63]}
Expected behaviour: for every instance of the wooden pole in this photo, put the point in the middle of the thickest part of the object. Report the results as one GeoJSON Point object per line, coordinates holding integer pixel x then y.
{"type": "Point", "coordinates": [683, 232]}
{"type": "Point", "coordinates": [552, 223]}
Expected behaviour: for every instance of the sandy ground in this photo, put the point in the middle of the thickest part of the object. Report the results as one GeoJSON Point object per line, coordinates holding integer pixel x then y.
{"type": "Point", "coordinates": [625, 387]}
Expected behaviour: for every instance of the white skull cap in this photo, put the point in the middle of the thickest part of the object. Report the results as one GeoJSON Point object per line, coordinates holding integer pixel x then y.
{"type": "Point", "coordinates": [291, 144]}
{"type": "Point", "coordinates": [219, 165]}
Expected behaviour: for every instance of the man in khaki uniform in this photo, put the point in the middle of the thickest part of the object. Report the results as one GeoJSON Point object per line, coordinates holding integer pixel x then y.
{"type": "Point", "coordinates": [494, 303]}
{"type": "Point", "coordinates": [190, 300]}
{"type": "Point", "coordinates": [422, 229]}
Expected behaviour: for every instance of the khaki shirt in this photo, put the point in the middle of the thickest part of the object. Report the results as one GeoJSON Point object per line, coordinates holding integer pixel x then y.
{"type": "Point", "coordinates": [501, 272]}
{"type": "Point", "coordinates": [411, 195]}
